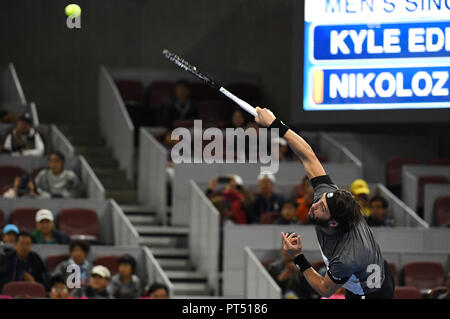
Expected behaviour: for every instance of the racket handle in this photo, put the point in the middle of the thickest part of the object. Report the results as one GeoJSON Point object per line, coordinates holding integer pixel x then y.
{"type": "Point", "coordinates": [244, 105]}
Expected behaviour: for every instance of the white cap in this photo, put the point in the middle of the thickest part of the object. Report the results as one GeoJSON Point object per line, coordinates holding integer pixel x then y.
{"type": "Point", "coordinates": [238, 179]}
{"type": "Point", "coordinates": [101, 271]}
{"type": "Point", "coordinates": [44, 214]}
{"type": "Point", "coordinates": [267, 175]}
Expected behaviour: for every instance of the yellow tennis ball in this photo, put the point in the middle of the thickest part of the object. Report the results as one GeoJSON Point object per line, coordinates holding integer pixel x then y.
{"type": "Point", "coordinates": [73, 10]}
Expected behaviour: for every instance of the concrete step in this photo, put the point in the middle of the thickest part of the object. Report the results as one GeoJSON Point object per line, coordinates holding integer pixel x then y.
{"type": "Point", "coordinates": [170, 252]}
{"type": "Point", "coordinates": [137, 209]}
{"type": "Point", "coordinates": [122, 196]}
{"type": "Point", "coordinates": [83, 140]}
{"type": "Point", "coordinates": [95, 151]}
{"type": "Point", "coordinates": [80, 130]}
{"type": "Point", "coordinates": [116, 183]}
{"type": "Point", "coordinates": [102, 161]}
{"type": "Point", "coordinates": [109, 172]}
{"type": "Point", "coordinates": [155, 241]}
{"type": "Point", "coordinates": [140, 219]}
{"type": "Point", "coordinates": [163, 230]}
{"type": "Point", "coordinates": [182, 275]}
{"type": "Point", "coordinates": [175, 264]}
{"type": "Point", "coordinates": [191, 288]}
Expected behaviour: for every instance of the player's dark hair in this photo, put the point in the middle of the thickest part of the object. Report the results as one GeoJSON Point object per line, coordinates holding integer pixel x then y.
{"type": "Point", "coordinates": [348, 212]}
{"type": "Point", "coordinates": [383, 201]}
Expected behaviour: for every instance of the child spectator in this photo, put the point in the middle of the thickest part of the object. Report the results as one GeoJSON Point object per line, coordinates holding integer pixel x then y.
{"type": "Point", "coordinates": [288, 214]}
{"type": "Point", "coordinates": [10, 233]}
{"type": "Point", "coordinates": [378, 212]}
{"type": "Point", "coordinates": [58, 289]}
{"type": "Point", "coordinates": [158, 291]}
{"type": "Point", "coordinates": [24, 187]}
{"type": "Point", "coordinates": [266, 200]}
{"type": "Point", "coordinates": [98, 282]}
{"type": "Point", "coordinates": [79, 250]}
{"type": "Point", "coordinates": [46, 232]}
{"type": "Point", "coordinates": [125, 284]}
{"type": "Point", "coordinates": [56, 181]}
{"type": "Point", "coordinates": [24, 139]}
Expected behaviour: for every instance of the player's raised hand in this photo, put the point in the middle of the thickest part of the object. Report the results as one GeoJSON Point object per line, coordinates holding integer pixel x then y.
{"type": "Point", "coordinates": [265, 116]}
{"type": "Point", "coordinates": [292, 244]}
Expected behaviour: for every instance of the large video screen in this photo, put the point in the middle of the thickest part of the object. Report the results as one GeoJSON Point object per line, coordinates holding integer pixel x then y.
{"type": "Point", "coordinates": [376, 54]}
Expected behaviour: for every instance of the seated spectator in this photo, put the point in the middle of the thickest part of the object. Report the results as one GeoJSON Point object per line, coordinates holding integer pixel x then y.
{"type": "Point", "coordinates": [378, 212]}
{"type": "Point", "coordinates": [79, 250]}
{"type": "Point", "coordinates": [10, 233]}
{"type": "Point", "coordinates": [24, 187]}
{"type": "Point", "coordinates": [98, 283]}
{"type": "Point", "coordinates": [56, 181]}
{"type": "Point", "coordinates": [7, 117]}
{"type": "Point", "coordinates": [266, 200]}
{"type": "Point", "coordinates": [238, 119]}
{"type": "Point", "coordinates": [58, 289]}
{"type": "Point", "coordinates": [304, 200]}
{"type": "Point", "coordinates": [181, 107]}
{"type": "Point", "coordinates": [158, 291]}
{"type": "Point", "coordinates": [284, 152]}
{"type": "Point", "coordinates": [24, 139]}
{"type": "Point", "coordinates": [288, 214]}
{"type": "Point", "coordinates": [361, 191]}
{"type": "Point", "coordinates": [125, 284]}
{"type": "Point", "coordinates": [446, 295]}
{"type": "Point", "coordinates": [46, 232]}
{"type": "Point", "coordinates": [22, 264]}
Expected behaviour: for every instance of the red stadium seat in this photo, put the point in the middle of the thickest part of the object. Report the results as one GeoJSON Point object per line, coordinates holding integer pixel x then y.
{"type": "Point", "coordinates": [423, 274]}
{"type": "Point", "coordinates": [160, 92]}
{"type": "Point", "coordinates": [24, 289]}
{"type": "Point", "coordinates": [36, 171]}
{"type": "Point", "coordinates": [269, 218]}
{"type": "Point", "coordinates": [407, 293]}
{"type": "Point", "coordinates": [2, 220]}
{"type": "Point", "coordinates": [394, 169]}
{"type": "Point", "coordinates": [131, 91]}
{"type": "Point", "coordinates": [79, 221]}
{"type": "Point", "coordinates": [435, 292]}
{"type": "Point", "coordinates": [54, 260]}
{"type": "Point", "coordinates": [440, 161]}
{"type": "Point", "coordinates": [8, 173]}
{"type": "Point", "coordinates": [24, 218]}
{"type": "Point", "coordinates": [246, 91]}
{"type": "Point", "coordinates": [183, 123]}
{"type": "Point", "coordinates": [109, 262]}
{"type": "Point", "coordinates": [423, 180]}
{"type": "Point", "coordinates": [394, 272]}
{"type": "Point", "coordinates": [201, 92]}
{"type": "Point", "coordinates": [214, 111]}
{"type": "Point", "coordinates": [442, 211]}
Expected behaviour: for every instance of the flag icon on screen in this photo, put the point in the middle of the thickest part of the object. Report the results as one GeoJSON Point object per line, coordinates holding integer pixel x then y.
{"type": "Point", "coordinates": [318, 86]}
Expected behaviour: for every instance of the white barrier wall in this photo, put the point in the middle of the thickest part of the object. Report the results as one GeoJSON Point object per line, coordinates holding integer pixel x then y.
{"type": "Point", "coordinates": [155, 273]}
{"type": "Point", "coordinates": [152, 183]}
{"type": "Point", "coordinates": [431, 193]}
{"type": "Point", "coordinates": [115, 123]}
{"type": "Point", "coordinates": [204, 236]}
{"type": "Point", "coordinates": [11, 90]}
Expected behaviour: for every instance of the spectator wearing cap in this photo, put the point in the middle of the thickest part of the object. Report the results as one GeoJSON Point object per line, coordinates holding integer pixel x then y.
{"type": "Point", "coordinates": [24, 139]}
{"type": "Point", "coordinates": [266, 200]}
{"type": "Point", "coordinates": [46, 232]}
{"type": "Point", "coordinates": [125, 284]}
{"type": "Point", "coordinates": [158, 291]}
{"type": "Point", "coordinates": [58, 288]}
{"type": "Point", "coordinates": [378, 212]}
{"type": "Point", "coordinates": [56, 181]}
{"type": "Point", "coordinates": [98, 283]}
{"type": "Point", "coordinates": [361, 191]}
{"type": "Point", "coordinates": [288, 214]}
{"type": "Point", "coordinates": [10, 233]}
{"type": "Point", "coordinates": [79, 249]}
{"type": "Point", "coordinates": [22, 264]}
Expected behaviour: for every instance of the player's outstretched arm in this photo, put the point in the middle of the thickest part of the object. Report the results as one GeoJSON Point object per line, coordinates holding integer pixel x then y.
{"type": "Point", "coordinates": [312, 165]}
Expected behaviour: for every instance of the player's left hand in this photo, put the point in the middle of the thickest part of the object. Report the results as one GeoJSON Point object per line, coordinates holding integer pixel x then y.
{"type": "Point", "coordinates": [265, 117]}
{"type": "Point", "coordinates": [292, 244]}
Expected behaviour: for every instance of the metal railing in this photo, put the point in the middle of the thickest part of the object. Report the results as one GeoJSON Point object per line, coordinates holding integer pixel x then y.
{"type": "Point", "coordinates": [155, 273]}
{"type": "Point", "coordinates": [336, 152]}
{"type": "Point", "coordinates": [258, 282]}
{"type": "Point", "coordinates": [115, 123]}
{"type": "Point", "coordinates": [152, 182]}
{"type": "Point", "coordinates": [204, 236]}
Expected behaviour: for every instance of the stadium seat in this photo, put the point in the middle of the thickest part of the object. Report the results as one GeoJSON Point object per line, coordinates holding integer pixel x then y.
{"type": "Point", "coordinates": [407, 293]}
{"type": "Point", "coordinates": [201, 92]}
{"type": "Point", "coordinates": [442, 211]}
{"type": "Point", "coordinates": [269, 218]}
{"type": "Point", "coordinates": [423, 180]}
{"type": "Point", "coordinates": [2, 220]}
{"type": "Point", "coordinates": [8, 173]}
{"type": "Point", "coordinates": [183, 123]}
{"type": "Point", "coordinates": [246, 91]}
{"type": "Point", "coordinates": [423, 274]}
{"type": "Point", "coordinates": [394, 272]}
{"type": "Point", "coordinates": [24, 218]}
{"type": "Point", "coordinates": [54, 260]}
{"type": "Point", "coordinates": [24, 289]}
{"type": "Point", "coordinates": [109, 262]}
{"type": "Point", "coordinates": [214, 111]}
{"type": "Point", "coordinates": [440, 161]}
{"type": "Point", "coordinates": [435, 292]}
{"type": "Point", "coordinates": [160, 92]}
{"type": "Point", "coordinates": [394, 169]}
{"type": "Point", "coordinates": [131, 91]}
{"type": "Point", "coordinates": [79, 221]}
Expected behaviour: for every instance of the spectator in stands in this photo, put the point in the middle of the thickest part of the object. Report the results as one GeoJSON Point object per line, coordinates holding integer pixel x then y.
{"type": "Point", "coordinates": [24, 139]}
{"type": "Point", "coordinates": [181, 107]}
{"type": "Point", "coordinates": [46, 232]}
{"type": "Point", "coordinates": [125, 284]}
{"type": "Point", "coordinates": [79, 249]}
{"type": "Point", "coordinates": [238, 119]}
{"type": "Point", "coordinates": [10, 233]}
{"type": "Point", "coordinates": [58, 288]}
{"type": "Point", "coordinates": [7, 117]}
{"type": "Point", "coordinates": [24, 187]}
{"type": "Point", "coordinates": [98, 283]}
{"type": "Point", "coordinates": [284, 153]}
{"type": "Point", "coordinates": [446, 295]}
{"type": "Point", "coordinates": [22, 264]}
{"type": "Point", "coordinates": [288, 214]}
{"type": "Point", "coordinates": [266, 200]}
{"type": "Point", "coordinates": [304, 200]}
{"type": "Point", "coordinates": [158, 291]}
{"type": "Point", "coordinates": [361, 191]}
{"type": "Point", "coordinates": [56, 181]}
{"type": "Point", "coordinates": [378, 212]}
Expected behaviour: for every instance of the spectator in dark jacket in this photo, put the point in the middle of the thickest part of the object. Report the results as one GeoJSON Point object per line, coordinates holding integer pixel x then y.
{"type": "Point", "coordinates": [181, 107]}
{"type": "Point", "coordinates": [266, 200]}
{"type": "Point", "coordinates": [45, 232]}
{"type": "Point", "coordinates": [125, 284]}
{"type": "Point", "coordinates": [22, 264]}
{"type": "Point", "coordinates": [100, 277]}
{"type": "Point", "coordinates": [378, 212]}
{"type": "Point", "coordinates": [288, 214]}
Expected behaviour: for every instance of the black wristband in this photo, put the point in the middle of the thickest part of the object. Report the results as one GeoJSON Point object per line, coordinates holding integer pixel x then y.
{"type": "Point", "coordinates": [283, 128]}
{"type": "Point", "coordinates": [301, 262]}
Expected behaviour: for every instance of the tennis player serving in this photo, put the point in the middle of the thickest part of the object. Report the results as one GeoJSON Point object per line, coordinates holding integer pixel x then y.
{"type": "Point", "coordinates": [347, 245]}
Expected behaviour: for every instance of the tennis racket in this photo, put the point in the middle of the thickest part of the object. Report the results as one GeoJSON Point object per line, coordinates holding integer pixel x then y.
{"type": "Point", "coordinates": [185, 65]}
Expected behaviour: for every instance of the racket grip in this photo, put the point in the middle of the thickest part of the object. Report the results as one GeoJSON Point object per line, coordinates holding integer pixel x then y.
{"type": "Point", "coordinates": [244, 105]}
